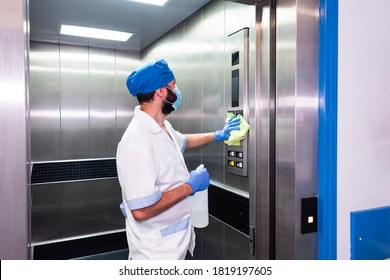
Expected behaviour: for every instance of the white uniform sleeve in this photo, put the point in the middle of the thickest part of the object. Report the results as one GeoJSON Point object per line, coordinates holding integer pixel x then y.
{"type": "Point", "coordinates": [181, 140]}
{"type": "Point", "coordinates": [138, 175]}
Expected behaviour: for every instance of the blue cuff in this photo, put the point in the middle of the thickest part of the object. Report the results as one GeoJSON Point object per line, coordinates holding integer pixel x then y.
{"type": "Point", "coordinates": [145, 201]}
{"type": "Point", "coordinates": [123, 210]}
{"type": "Point", "coordinates": [182, 225]}
{"type": "Point", "coordinates": [183, 148]}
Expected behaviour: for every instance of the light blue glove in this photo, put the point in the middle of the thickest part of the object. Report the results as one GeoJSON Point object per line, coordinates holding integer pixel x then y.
{"type": "Point", "coordinates": [224, 134]}
{"type": "Point", "coordinates": [199, 180]}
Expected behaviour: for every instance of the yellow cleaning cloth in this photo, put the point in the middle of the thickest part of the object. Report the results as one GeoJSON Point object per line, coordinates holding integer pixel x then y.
{"type": "Point", "coordinates": [237, 135]}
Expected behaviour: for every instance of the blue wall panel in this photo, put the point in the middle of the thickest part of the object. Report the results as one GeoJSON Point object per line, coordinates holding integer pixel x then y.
{"type": "Point", "coordinates": [370, 234]}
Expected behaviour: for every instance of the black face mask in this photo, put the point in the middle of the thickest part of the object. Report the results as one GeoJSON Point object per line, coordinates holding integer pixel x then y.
{"type": "Point", "coordinates": [171, 98]}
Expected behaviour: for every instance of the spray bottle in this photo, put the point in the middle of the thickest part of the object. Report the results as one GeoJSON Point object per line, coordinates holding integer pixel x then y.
{"type": "Point", "coordinates": [200, 207]}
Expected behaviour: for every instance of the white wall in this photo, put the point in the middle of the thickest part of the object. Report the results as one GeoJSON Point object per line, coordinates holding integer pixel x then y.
{"type": "Point", "coordinates": [363, 112]}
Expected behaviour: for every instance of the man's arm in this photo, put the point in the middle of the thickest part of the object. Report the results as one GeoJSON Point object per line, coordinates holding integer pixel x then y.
{"type": "Point", "coordinates": [167, 200]}
{"type": "Point", "coordinates": [196, 140]}
{"type": "Point", "coordinates": [199, 139]}
{"type": "Point", "coordinates": [199, 180]}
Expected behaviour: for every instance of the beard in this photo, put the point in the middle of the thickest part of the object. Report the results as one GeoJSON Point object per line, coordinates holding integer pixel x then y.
{"type": "Point", "coordinates": [167, 108]}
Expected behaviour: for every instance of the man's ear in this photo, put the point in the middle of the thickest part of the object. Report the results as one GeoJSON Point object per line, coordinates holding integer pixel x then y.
{"type": "Point", "coordinates": [160, 92]}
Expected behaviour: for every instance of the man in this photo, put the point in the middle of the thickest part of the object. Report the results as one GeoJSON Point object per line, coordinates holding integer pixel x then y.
{"type": "Point", "coordinates": [152, 172]}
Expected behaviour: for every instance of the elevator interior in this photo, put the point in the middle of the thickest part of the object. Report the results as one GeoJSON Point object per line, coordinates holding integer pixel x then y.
{"type": "Point", "coordinates": [254, 58]}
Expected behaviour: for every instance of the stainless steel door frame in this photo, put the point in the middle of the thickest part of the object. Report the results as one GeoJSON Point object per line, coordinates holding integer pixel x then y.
{"type": "Point", "coordinates": [296, 125]}
{"type": "Point", "coordinates": [284, 128]}
{"type": "Point", "coordinates": [14, 142]}
{"type": "Point", "coordinates": [261, 139]}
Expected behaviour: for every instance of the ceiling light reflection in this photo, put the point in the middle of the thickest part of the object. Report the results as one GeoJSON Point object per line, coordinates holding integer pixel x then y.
{"type": "Point", "coordinates": [96, 33]}
{"type": "Point", "coordinates": [151, 2]}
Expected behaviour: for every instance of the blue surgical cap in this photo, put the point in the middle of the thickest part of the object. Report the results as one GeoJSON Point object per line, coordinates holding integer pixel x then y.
{"type": "Point", "coordinates": [149, 77]}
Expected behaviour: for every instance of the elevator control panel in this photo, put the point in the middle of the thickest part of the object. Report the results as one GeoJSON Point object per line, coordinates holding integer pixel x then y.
{"type": "Point", "coordinates": [237, 96]}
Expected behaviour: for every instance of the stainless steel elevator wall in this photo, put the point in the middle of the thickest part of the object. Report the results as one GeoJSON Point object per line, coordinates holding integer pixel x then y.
{"type": "Point", "coordinates": [79, 108]}
{"type": "Point", "coordinates": [79, 102]}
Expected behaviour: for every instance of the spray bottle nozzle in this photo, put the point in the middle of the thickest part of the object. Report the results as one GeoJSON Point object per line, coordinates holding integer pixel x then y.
{"type": "Point", "coordinates": [200, 167]}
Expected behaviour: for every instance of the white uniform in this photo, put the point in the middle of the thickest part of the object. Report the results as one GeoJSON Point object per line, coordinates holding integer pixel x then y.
{"type": "Point", "coordinates": [149, 163]}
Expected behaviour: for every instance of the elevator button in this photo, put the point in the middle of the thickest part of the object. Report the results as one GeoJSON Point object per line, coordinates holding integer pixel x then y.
{"type": "Point", "coordinates": [239, 154]}
{"type": "Point", "coordinates": [231, 163]}
{"type": "Point", "coordinates": [239, 164]}
{"type": "Point", "coordinates": [231, 154]}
